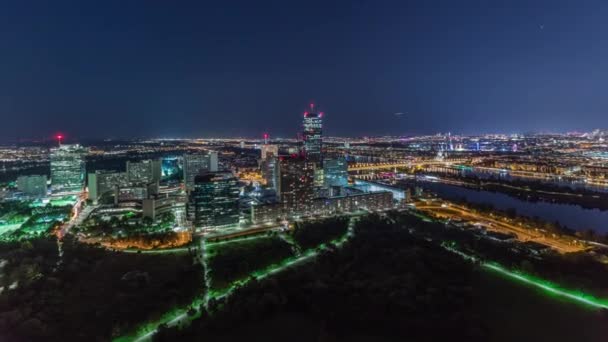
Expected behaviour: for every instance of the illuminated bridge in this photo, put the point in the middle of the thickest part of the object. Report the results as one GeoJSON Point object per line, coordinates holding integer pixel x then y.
{"type": "Point", "coordinates": [408, 164]}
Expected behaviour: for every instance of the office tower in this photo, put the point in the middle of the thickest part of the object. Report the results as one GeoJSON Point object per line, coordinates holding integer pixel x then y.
{"type": "Point", "coordinates": [159, 205]}
{"type": "Point", "coordinates": [335, 172]}
{"type": "Point", "coordinates": [295, 186]}
{"type": "Point", "coordinates": [312, 135]}
{"type": "Point", "coordinates": [34, 185]}
{"type": "Point", "coordinates": [214, 201]}
{"type": "Point", "coordinates": [268, 151]}
{"type": "Point", "coordinates": [67, 168]}
{"type": "Point", "coordinates": [145, 171]}
{"type": "Point", "coordinates": [319, 176]}
{"type": "Point", "coordinates": [269, 168]}
{"type": "Point", "coordinates": [103, 182]}
{"type": "Point", "coordinates": [195, 164]}
{"type": "Point", "coordinates": [213, 161]}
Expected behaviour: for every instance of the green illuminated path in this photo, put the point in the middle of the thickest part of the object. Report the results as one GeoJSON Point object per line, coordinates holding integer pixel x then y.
{"type": "Point", "coordinates": [548, 287]}
{"type": "Point", "coordinates": [180, 315]}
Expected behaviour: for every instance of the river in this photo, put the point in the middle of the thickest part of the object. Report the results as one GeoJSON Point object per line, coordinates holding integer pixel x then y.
{"type": "Point", "coordinates": [572, 216]}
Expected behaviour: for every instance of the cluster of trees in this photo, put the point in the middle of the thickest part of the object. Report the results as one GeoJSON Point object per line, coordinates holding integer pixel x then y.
{"type": "Point", "coordinates": [91, 295]}
{"type": "Point", "coordinates": [23, 262]}
{"type": "Point", "coordinates": [231, 261]}
{"type": "Point", "coordinates": [40, 220]}
{"type": "Point", "coordinates": [150, 241]}
{"type": "Point", "coordinates": [311, 234]}
{"type": "Point", "coordinates": [384, 285]}
{"type": "Point", "coordinates": [128, 225]}
{"type": "Point", "coordinates": [14, 211]}
{"type": "Point", "coordinates": [579, 271]}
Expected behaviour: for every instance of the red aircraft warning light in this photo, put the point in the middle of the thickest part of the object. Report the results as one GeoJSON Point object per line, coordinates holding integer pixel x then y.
{"type": "Point", "coordinates": [59, 138]}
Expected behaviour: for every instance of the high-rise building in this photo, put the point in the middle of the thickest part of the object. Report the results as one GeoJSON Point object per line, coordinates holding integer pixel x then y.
{"type": "Point", "coordinates": [295, 185]}
{"type": "Point", "coordinates": [213, 161]}
{"type": "Point", "coordinates": [268, 164]}
{"type": "Point", "coordinates": [67, 168]}
{"type": "Point", "coordinates": [102, 182]}
{"type": "Point", "coordinates": [34, 185]}
{"type": "Point", "coordinates": [269, 151]}
{"type": "Point", "coordinates": [144, 171]}
{"type": "Point", "coordinates": [195, 164]}
{"type": "Point", "coordinates": [158, 205]}
{"type": "Point", "coordinates": [269, 168]}
{"type": "Point", "coordinates": [312, 135]}
{"type": "Point", "coordinates": [214, 201]}
{"type": "Point", "coordinates": [335, 172]}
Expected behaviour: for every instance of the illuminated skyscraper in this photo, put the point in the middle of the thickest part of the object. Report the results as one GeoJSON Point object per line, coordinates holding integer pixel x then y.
{"type": "Point", "coordinates": [34, 185]}
{"type": "Point", "coordinates": [103, 182]}
{"type": "Point", "coordinates": [67, 168]}
{"type": "Point", "coordinates": [269, 151]}
{"type": "Point", "coordinates": [295, 184]}
{"type": "Point", "coordinates": [269, 168]}
{"type": "Point", "coordinates": [335, 172]}
{"type": "Point", "coordinates": [195, 164]}
{"type": "Point", "coordinates": [213, 161]}
{"type": "Point", "coordinates": [312, 135]}
{"type": "Point", "coordinates": [214, 201]}
{"type": "Point", "coordinates": [145, 171]}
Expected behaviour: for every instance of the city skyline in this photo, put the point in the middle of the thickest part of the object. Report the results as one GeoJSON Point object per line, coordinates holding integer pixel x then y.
{"type": "Point", "coordinates": [303, 171]}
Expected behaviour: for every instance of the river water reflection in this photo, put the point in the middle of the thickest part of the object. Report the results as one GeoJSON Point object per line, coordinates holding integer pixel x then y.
{"type": "Point", "coordinates": [572, 216]}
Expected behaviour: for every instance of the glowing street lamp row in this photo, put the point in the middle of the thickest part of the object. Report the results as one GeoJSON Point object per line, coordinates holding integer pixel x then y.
{"type": "Point", "coordinates": [170, 318]}
{"type": "Point", "coordinates": [578, 297]}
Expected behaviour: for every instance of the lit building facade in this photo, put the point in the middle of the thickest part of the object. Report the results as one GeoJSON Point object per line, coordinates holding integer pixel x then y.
{"type": "Point", "coordinates": [269, 168]}
{"type": "Point", "coordinates": [145, 171]}
{"type": "Point", "coordinates": [194, 164]}
{"type": "Point", "coordinates": [372, 201]}
{"type": "Point", "coordinates": [102, 182]}
{"type": "Point", "coordinates": [156, 206]}
{"type": "Point", "coordinates": [268, 151]}
{"type": "Point", "coordinates": [34, 185]}
{"type": "Point", "coordinates": [295, 183]}
{"type": "Point", "coordinates": [335, 172]}
{"type": "Point", "coordinates": [67, 168]}
{"type": "Point", "coordinates": [214, 201]}
{"type": "Point", "coordinates": [312, 135]}
{"type": "Point", "coordinates": [353, 202]}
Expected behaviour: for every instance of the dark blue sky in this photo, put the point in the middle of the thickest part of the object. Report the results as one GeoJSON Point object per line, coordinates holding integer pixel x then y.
{"type": "Point", "coordinates": [213, 68]}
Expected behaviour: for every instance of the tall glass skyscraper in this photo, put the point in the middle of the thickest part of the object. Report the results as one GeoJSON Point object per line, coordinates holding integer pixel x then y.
{"type": "Point", "coordinates": [335, 172]}
{"type": "Point", "coordinates": [214, 201]}
{"type": "Point", "coordinates": [195, 164]}
{"type": "Point", "coordinates": [67, 168]}
{"type": "Point", "coordinates": [312, 135]}
{"type": "Point", "coordinates": [144, 171]}
{"type": "Point", "coordinates": [34, 185]}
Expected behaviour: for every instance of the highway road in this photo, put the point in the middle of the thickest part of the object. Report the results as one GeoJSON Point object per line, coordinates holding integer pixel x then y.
{"type": "Point", "coordinates": [451, 210]}
{"type": "Point", "coordinates": [78, 217]}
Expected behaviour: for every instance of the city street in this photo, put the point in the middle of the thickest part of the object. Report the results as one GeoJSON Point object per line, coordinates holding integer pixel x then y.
{"type": "Point", "coordinates": [453, 211]}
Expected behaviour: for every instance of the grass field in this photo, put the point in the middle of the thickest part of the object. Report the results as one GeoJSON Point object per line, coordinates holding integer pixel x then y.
{"type": "Point", "coordinates": [517, 312]}
{"type": "Point", "coordinates": [230, 261]}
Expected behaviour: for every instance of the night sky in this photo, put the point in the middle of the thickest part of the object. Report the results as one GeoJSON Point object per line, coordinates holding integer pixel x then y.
{"type": "Point", "coordinates": [97, 69]}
